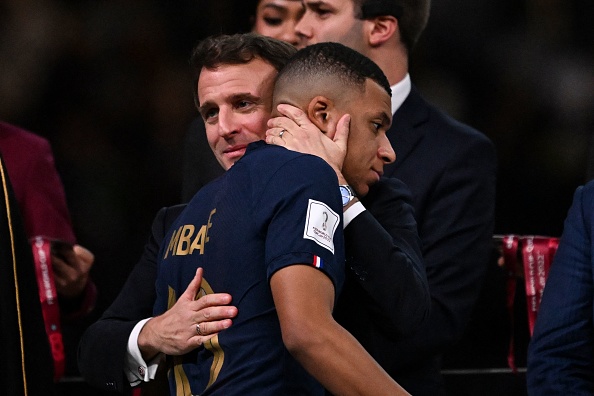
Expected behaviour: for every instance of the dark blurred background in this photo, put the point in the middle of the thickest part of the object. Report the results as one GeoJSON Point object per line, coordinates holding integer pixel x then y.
{"type": "Point", "coordinates": [108, 83]}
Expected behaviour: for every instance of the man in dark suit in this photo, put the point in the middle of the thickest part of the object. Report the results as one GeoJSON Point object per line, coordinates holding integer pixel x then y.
{"type": "Point", "coordinates": [561, 351]}
{"type": "Point", "coordinates": [401, 303]}
{"type": "Point", "coordinates": [450, 169]}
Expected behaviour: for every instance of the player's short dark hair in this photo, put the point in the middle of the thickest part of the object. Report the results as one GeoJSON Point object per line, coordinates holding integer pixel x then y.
{"type": "Point", "coordinates": [412, 16]}
{"type": "Point", "coordinates": [237, 49]}
{"type": "Point", "coordinates": [335, 59]}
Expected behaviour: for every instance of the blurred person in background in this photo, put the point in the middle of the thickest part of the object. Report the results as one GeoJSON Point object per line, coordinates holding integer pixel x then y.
{"type": "Point", "coordinates": [42, 202]}
{"type": "Point", "coordinates": [26, 361]}
{"type": "Point", "coordinates": [561, 350]}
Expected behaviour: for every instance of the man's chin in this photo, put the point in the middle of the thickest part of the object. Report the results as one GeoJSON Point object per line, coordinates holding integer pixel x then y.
{"type": "Point", "coordinates": [230, 158]}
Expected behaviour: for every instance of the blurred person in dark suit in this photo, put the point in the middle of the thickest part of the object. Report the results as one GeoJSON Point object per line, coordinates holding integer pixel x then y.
{"type": "Point", "coordinates": [561, 351]}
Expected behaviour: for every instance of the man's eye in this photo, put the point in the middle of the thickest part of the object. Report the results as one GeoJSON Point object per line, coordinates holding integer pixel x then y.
{"type": "Point", "coordinates": [210, 113]}
{"type": "Point", "coordinates": [321, 12]}
{"type": "Point", "coordinates": [243, 104]}
{"type": "Point", "coordinates": [273, 21]}
{"type": "Point", "coordinates": [377, 125]}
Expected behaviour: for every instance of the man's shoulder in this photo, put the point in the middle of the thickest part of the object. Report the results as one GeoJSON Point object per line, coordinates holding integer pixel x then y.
{"type": "Point", "coordinates": [436, 125]}
{"type": "Point", "coordinates": [431, 142]}
{"type": "Point", "coordinates": [167, 215]}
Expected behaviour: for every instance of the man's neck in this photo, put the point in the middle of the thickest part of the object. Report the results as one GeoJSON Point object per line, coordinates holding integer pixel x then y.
{"type": "Point", "coordinates": [400, 92]}
{"type": "Point", "coordinates": [392, 60]}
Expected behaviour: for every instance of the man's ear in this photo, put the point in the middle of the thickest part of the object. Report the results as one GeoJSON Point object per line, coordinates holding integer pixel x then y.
{"type": "Point", "coordinates": [321, 111]}
{"type": "Point", "coordinates": [381, 29]}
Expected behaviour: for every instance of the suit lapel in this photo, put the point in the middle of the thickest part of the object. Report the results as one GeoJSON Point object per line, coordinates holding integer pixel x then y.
{"type": "Point", "coordinates": [405, 133]}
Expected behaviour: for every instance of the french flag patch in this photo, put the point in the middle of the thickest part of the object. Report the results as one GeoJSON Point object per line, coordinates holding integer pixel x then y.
{"type": "Point", "coordinates": [318, 262]}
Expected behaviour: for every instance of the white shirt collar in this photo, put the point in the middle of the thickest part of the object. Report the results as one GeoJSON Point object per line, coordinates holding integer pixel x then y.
{"type": "Point", "coordinates": [400, 91]}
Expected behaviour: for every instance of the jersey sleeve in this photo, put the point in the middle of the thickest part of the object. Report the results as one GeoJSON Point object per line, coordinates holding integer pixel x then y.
{"type": "Point", "coordinates": [305, 212]}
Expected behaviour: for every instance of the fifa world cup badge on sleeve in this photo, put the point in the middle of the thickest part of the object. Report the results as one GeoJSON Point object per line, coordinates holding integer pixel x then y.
{"type": "Point", "coordinates": [320, 224]}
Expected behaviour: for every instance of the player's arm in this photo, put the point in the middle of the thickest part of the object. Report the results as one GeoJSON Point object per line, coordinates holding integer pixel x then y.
{"type": "Point", "coordinates": [304, 299]}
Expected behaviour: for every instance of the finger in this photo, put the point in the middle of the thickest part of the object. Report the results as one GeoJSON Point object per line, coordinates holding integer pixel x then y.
{"type": "Point", "coordinates": [67, 256]}
{"type": "Point", "coordinates": [84, 255]}
{"type": "Point", "coordinates": [60, 267]}
{"type": "Point", "coordinates": [64, 274]}
{"type": "Point", "coordinates": [342, 131]}
{"type": "Point", "coordinates": [274, 139]}
{"type": "Point", "coordinates": [269, 138]}
{"type": "Point", "coordinates": [211, 300]}
{"type": "Point", "coordinates": [209, 329]}
{"type": "Point", "coordinates": [194, 287]}
{"type": "Point", "coordinates": [282, 123]}
{"type": "Point", "coordinates": [293, 113]}
{"type": "Point", "coordinates": [276, 131]}
{"type": "Point", "coordinates": [214, 313]}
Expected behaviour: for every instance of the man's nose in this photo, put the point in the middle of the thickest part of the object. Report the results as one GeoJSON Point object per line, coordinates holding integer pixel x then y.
{"type": "Point", "coordinates": [303, 29]}
{"type": "Point", "coordinates": [228, 125]}
{"type": "Point", "coordinates": [386, 151]}
{"type": "Point", "coordinates": [290, 35]}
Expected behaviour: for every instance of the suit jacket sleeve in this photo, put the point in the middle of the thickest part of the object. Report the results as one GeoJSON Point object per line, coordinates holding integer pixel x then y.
{"type": "Point", "coordinates": [561, 352]}
{"type": "Point", "coordinates": [384, 257]}
{"type": "Point", "coordinates": [103, 347]}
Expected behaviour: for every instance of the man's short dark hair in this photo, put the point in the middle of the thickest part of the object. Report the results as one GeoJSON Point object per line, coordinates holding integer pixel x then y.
{"type": "Point", "coordinates": [335, 59]}
{"type": "Point", "coordinates": [237, 49]}
{"type": "Point", "coordinates": [412, 16]}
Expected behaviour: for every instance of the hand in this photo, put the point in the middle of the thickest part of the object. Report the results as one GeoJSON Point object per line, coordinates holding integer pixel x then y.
{"type": "Point", "coordinates": [71, 270]}
{"type": "Point", "coordinates": [174, 332]}
{"type": "Point", "coordinates": [303, 136]}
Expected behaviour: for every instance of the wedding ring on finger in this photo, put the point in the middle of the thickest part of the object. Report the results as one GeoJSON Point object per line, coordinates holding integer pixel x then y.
{"type": "Point", "coordinates": [282, 132]}
{"type": "Point", "coordinates": [198, 329]}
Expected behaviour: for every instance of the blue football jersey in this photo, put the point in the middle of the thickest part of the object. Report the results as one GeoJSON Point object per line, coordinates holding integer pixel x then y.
{"type": "Point", "coordinates": [272, 209]}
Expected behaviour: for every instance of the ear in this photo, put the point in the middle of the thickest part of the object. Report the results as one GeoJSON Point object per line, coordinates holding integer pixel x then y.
{"type": "Point", "coordinates": [321, 111]}
{"type": "Point", "coordinates": [381, 29]}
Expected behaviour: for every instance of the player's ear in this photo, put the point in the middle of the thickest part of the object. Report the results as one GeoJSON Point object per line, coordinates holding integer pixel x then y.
{"type": "Point", "coordinates": [380, 29]}
{"type": "Point", "coordinates": [321, 111]}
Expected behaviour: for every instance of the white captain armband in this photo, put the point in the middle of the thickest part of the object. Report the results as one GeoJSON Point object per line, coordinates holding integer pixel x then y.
{"type": "Point", "coordinates": [353, 211]}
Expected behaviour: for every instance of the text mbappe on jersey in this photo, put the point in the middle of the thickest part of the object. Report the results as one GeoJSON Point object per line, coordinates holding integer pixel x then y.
{"type": "Point", "coordinates": [185, 240]}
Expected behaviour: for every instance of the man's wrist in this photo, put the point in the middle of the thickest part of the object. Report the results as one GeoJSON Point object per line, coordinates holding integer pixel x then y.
{"type": "Point", "coordinates": [341, 179]}
{"type": "Point", "coordinates": [350, 204]}
{"type": "Point", "coordinates": [347, 194]}
{"type": "Point", "coordinates": [138, 369]}
{"type": "Point", "coordinates": [145, 346]}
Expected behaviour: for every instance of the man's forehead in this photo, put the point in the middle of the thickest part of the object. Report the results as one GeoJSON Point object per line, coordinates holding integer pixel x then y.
{"type": "Point", "coordinates": [255, 75]}
{"type": "Point", "coordinates": [256, 65]}
{"type": "Point", "coordinates": [333, 3]}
